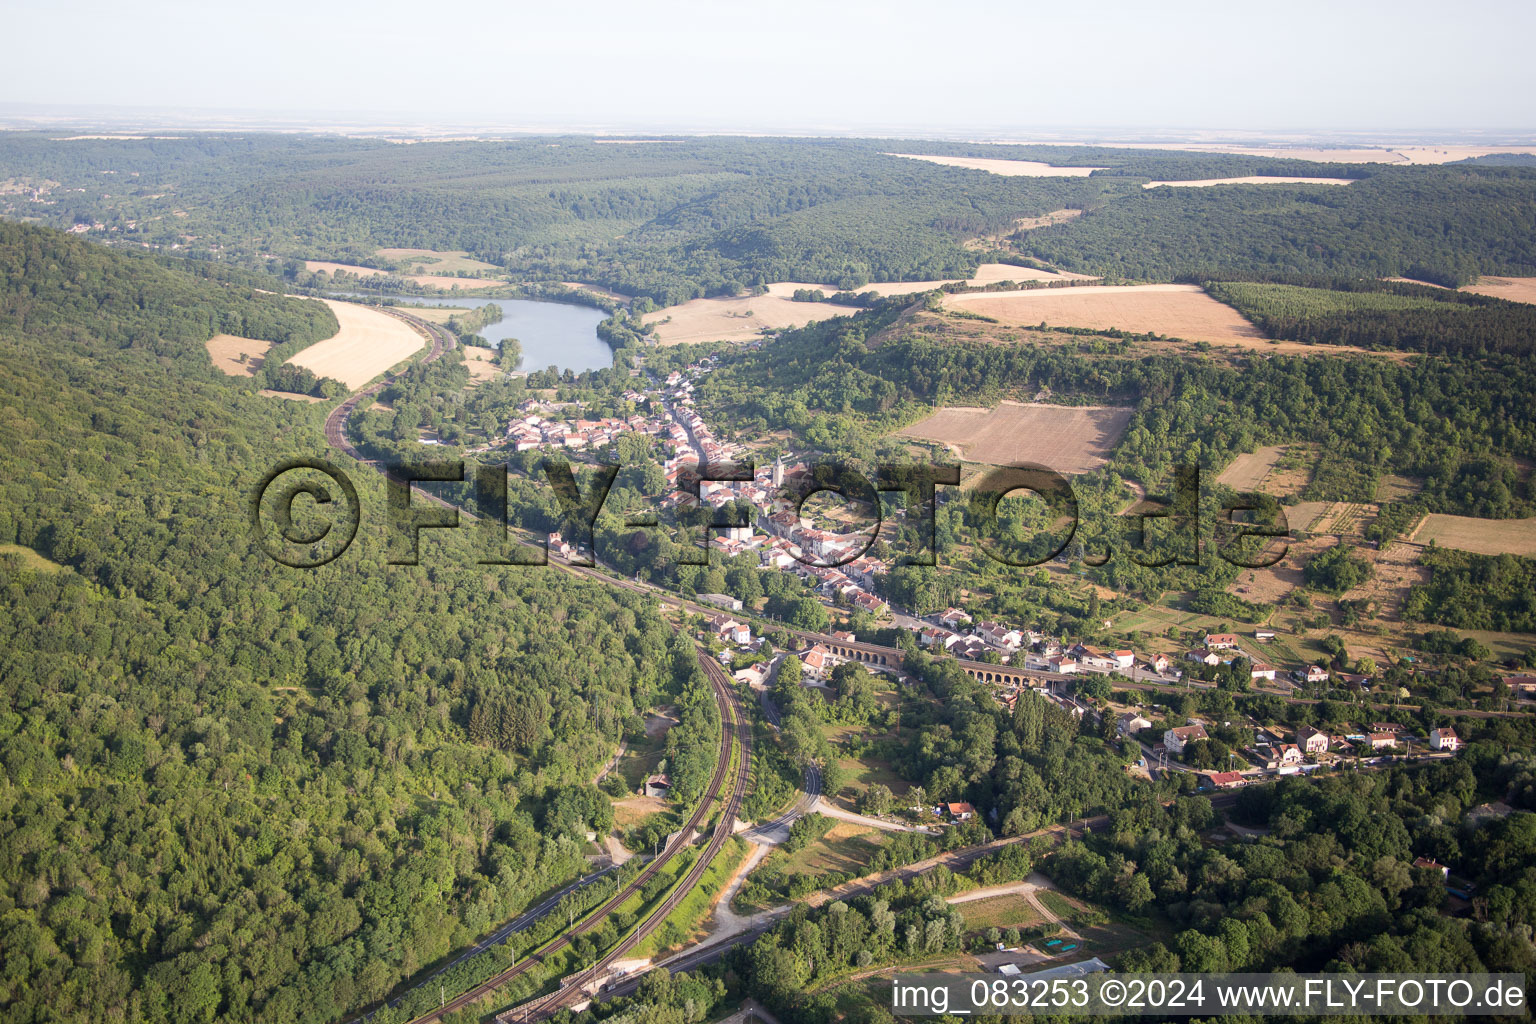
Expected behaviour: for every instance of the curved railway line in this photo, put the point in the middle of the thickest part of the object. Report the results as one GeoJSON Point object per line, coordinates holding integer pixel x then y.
{"type": "Point", "coordinates": [735, 734]}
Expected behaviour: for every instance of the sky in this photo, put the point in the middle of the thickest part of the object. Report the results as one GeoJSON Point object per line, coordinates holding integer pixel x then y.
{"type": "Point", "coordinates": [896, 66]}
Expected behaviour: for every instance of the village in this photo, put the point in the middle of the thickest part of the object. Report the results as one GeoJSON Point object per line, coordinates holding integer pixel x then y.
{"type": "Point", "coordinates": [834, 567]}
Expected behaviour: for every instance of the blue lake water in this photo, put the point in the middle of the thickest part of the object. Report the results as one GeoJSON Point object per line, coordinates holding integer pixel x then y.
{"type": "Point", "coordinates": [556, 334]}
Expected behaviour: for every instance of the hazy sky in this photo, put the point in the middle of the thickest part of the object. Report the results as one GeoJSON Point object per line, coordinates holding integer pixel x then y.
{"type": "Point", "coordinates": [1285, 65]}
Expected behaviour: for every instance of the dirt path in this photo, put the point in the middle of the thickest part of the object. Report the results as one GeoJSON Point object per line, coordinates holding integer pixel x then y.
{"type": "Point", "coordinates": [821, 806]}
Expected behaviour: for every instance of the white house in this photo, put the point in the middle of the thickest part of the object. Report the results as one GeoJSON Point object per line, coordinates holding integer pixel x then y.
{"type": "Point", "coordinates": [1313, 741]}
{"type": "Point", "coordinates": [1177, 739]}
{"type": "Point", "coordinates": [1444, 739]}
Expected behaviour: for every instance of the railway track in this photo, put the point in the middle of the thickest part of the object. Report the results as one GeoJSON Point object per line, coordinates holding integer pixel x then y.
{"type": "Point", "coordinates": [735, 733]}
{"type": "Point", "coordinates": [740, 728]}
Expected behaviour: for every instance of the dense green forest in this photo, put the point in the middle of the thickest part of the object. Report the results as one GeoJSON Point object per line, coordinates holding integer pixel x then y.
{"type": "Point", "coordinates": [1383, 314]}
{"type": "Point", "coordinates": [235, 790]}
{"type": "Point", "coordinates": [682, 218]}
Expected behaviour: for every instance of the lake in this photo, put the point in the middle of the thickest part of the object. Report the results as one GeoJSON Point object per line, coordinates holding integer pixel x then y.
{"type": "Point", "coordinates": [552, 333]}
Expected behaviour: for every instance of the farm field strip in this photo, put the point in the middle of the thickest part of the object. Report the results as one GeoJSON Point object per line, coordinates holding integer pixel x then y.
{"type": "Point", "coordinates": [1007, 168]}
{"type": "Point", "coordinates": [368, 343]}
{"type": "Point", "coordinates": [1252, 179]}
{"type": "Point", "coordinates": [1479, 536]}
{"type": "Point", "coordinates": [1174, 310]}
{"type": "Point", "coordinates": [225, 351]}
{"type": "Point", "coordinates": [1068, 439]}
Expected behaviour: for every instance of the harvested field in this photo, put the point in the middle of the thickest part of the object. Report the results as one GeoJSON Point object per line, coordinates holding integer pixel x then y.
{"type": "Point", "coordinates": [606, 293]}
{"type": "Point", "coordinates": [1175, 310]}
{"type": "Point", "coordinates": [1252, 179]}
{"type": "Point", "coordinates": [736, 319]}
{"type": "Point", "coordinates": [1480, 536]}
{"type": "Point", "coordinates": [1337, 154]}
{"type": "Point", "coordinates": [1394, 571]}
{"type": "Point", "coordinates": [481, 363]}
{"type": "Point", "coordinates": [368, 343]}
{"type": "Point", "coordinates": [1009, 911]}
{"type": "Point", "coordinates": [438, 262]}
{"type": "Point", "coordinates": [425, 280]}
{"type": "Point", "coordinates": [986, 274]}
{"type": "Point", "coordinates": [290, 396]}
{"type": "Point", "coordinates": [996, 273]}
{"type": "Point", "coordinates": [1009, 168]}
{"type": "Point", "coordinates": [1392, 487]}
{"type": "Point", "coordinates": [1247, 471]}
{"type": "Point", "coordinates": [225, 351]}
{"type": "Point", "coordinates": [1068, 439]}
{"type": "Point", "coordinates": [1515, 289]}
{"type": "Point", "coordinates": [1303, 514]}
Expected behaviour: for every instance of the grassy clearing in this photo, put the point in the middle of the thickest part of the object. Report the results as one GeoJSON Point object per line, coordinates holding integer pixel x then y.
{"type": "Point", "coordinates": [686, 922]}
{"type": "Point", "coordinates": [30, 559]}
{"type": "Point", "coordinates": [1011, 911]}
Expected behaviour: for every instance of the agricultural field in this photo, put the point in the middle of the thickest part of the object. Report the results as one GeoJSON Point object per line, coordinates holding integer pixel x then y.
{"type": "Point", "coordinates": [1068, 439]}
{"type": "Point", "coordinates": [1479, 536]}
{"type": "Point", "coordinates": [226, 349]}
{"type": "Point", "coordinates": [368, 343]}
{"type": "Point", "coordinates": [1250, 469]}
{"type": "Point", "coordinates": [1251, 179]}
{"type": "Point", "coordinates": [432, 261]}
{"type": "Point", "coordinates": [1174, 310]}
{"type": "Point", "coordinates": [1403, 155]}
{"type": "Point", "coordinates": [1010, 911]}
{"type": "Point", "coordinates": [481, 363]}
{"type": "Point", "coordinates": [736, 319]}
{"type": "Point", "coordinates": [1515, 289]}
{"type": "Point", "coordinates": [986, 274]}
{"type": "Point", "coordinates": [1007, 168]}
{"type": "Point", "coordinates": [425, 280]}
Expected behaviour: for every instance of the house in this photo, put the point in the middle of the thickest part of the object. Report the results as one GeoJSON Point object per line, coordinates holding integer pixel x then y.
{"type": "Point", "coordinates": [1204, 657]}
{"type": "Point", "coordinates": [1176, 739]}
{"type": "Point", "coordinates": [1125, 659]}
{"type": "Point", "coordinates": [1521, 686]}
{"type": "Point", "coordinates": [953, 618]}
{"type": "Point", "coordinates": [1131, 723]}
{"type": "Point", "coordinates": [1444, 739]}
{"type": "Point", "coordinates": [1289, 753]}
{"type": "Point", "coordinates": [1382, 740]}
{"type": "Point", "coordinates": [1061, 663]}
{"type": "Point", "coordinates": [934, 635]}
{"type": "Point", "coordinates": [729, 630]}
{"type": "Point", "coordinates": [1220, 780]}
{"type": "Point", "coordinates": [1221, 641]}
{"type": "Point", "coordinates": [752, 675]}
{"type": "Point", "coordinates": [1317, 674]}
{"type": "Point", "coordinates": [960, 811]}
{"type": "Point", "coordinates": [1259, 670]}
{"type": "Point", "coordinates": [1430, 864]}
{"type": "Point", "coordinates": [725, 601]}
{"type": "Point", "coordinates": [1313, 741]}
{"type": "Point", "coordinates": [659, 786]}
{"type": "Point", "coordinates": [1161, 664]}
{"type": "Point", "coordinates": [817, 662]}
{"type": "Point", "coordinates": [845, 636]}
{"type": "Point", "coordinates": [1092, 657]}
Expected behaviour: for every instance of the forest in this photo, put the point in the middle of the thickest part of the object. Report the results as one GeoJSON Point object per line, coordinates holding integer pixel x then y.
{"type": "Point", "coordinates": [684, 218]}
{"type": "Point", "coordinates": [234, 790]}
{"type": "Point", "coordinates": [1383, 314]}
